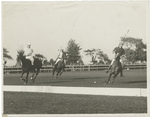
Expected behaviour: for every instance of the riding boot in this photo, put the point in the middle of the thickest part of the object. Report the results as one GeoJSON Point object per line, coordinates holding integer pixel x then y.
{"type": "Point", "coordinates": [55, 65]}
{"type": "Point", "coordinates": [121, 74]}
{"type": "Point", "coordinates": [109, 68]}
{"type": "Point", "coordinates": [32, 67]}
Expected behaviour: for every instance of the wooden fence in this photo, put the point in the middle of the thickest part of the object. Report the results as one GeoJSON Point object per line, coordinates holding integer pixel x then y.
{"type": "Point", "coordinates": [75, 68]}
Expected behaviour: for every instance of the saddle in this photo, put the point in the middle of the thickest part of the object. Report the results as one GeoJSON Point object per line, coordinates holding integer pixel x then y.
{"type": "Point", "coordinates": [62, 61]}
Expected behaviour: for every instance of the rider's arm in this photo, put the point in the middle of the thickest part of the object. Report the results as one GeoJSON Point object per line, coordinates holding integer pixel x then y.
{"type": "Point", "coordinates": [29, 52]}
{"type": "Point", "coordinates": [122, 51]}
{"type": "Point", "coordinates": [115, 50]}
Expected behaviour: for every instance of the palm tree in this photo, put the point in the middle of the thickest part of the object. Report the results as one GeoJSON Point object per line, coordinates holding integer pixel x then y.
{"type": "Point", "coordinates": [40, 56]}
{"type": "Point", "coordinates": [20, 53]}
{"type": "Point", "coordinates": [6, 55]}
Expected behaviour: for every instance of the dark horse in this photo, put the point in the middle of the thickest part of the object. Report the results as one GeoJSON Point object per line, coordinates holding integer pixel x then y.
{"type": "Point", "coordinates": [115, 70]}
{"type": "Point", "coordinates": [60, 66]}
{"type": "Point", "coordinates": [27, 67]}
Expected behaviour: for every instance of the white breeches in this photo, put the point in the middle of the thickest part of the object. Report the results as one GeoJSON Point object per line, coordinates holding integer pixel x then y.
{"type": "Point", "coordinates": [121, 60]}
{"type": "Point", "coordinates": [31, 59]}
{"type": "Point", "coordinates": [112, 61]}
{"type": "Point", "coordinates": [58, 59]}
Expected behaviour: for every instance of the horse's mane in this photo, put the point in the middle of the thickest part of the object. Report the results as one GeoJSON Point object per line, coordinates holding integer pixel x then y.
{"type": "Point", "coordinates": [20, 54]}
{"type": "Point", "coordinates": [64, 56]}
{"type": "Point", "coordinates": [117, 58]}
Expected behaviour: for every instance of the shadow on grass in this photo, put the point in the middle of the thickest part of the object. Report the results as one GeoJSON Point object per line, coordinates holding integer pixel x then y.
{"type": "Point", "coordinates": [54, 81]}
{"type": "Point", "coordinates": [88, 78]}
{"type": "Point", "coordinates": [137, 82]}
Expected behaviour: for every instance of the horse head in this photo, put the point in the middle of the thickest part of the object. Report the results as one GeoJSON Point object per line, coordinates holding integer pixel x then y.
{"type": "Point", "coordinates": [20, 56]}
{"type": "Point", "coordinates": [117, 59]}
{"type": "Point", "coordinates": [64, 56]}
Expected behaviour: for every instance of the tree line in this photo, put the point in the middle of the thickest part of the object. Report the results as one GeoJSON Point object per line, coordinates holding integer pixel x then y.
{"type": "Point", "coordinates": [135, 50]}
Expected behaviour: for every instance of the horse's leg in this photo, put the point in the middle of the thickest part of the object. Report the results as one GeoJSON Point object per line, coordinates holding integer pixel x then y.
{"type": "Point", "coordinates": [57, 74]}
{"type": "Point", "coordinates": [121, 71]}
{"type": "Point", "coordinates": [36, 74]}
{"type": "Point", "coordinates": [115, 75]}
{"type": "Point", "coordinates": [61, 71]}
{"type": "Point", "coordinates": [53, 73]}
{"type": "Point", "coordinates": [27, 77]}
{"type": "Point", "coordinates": [108, 78]}
{"type": "Point", "coordinates": [23, 71]}
{"type": "Point", "coordinates": [54, 69]}
{"type": "Point", "coordinates": [32, 77]}
{"type": "Point", "coordinates": [22, 74]}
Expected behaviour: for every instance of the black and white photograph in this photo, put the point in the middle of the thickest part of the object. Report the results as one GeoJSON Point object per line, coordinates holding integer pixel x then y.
{"type": "Point", "coordinates": [75, 58]}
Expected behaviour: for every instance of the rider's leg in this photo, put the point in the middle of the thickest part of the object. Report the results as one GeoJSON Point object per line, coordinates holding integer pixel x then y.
{"type": "Point", "coordinates": [110, 65]}
{"type": "Point", "coordinates": [64, 64]}
{"type": "Point", "coordinates": [121, 71]}
{"type": "Point", "coordinates": [32, 61]}
{"type": "Point", "coordinates": [57, 61]}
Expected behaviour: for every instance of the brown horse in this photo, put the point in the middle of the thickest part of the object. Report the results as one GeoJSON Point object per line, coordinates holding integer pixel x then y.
{"type": "Point", "coordinates": [115, 70]}
{"type": "Point", "coordinates": [27, 67]}
{"type": "Point", "coordinates": [60, 66]}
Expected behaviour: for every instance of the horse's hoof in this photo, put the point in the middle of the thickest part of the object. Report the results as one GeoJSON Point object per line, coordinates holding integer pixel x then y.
{"type": "Point", "coordinates": [23, 79]}
{"type": "Point", "coordinates": [33, 80]}
{"type": "Point", "coordinates": [105, 83]}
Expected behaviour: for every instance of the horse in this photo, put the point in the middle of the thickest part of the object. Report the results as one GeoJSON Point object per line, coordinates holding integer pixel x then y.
{"type": "Point", "coordinates": [28, 67]}
{"type": "Point", "coordinates": [115, 70]}
{"type": "Point", "coordinates": [60, 66]}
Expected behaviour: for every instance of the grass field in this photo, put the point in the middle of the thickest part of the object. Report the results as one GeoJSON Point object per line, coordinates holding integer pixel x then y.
{"type": "Point", "coordinates": [132, 79]}
{"type": "Point", "coordinates": [43, 103]}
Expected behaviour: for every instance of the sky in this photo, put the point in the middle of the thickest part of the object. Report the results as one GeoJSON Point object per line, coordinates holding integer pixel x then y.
{"type": "Point", "coordinates": [48, 26]}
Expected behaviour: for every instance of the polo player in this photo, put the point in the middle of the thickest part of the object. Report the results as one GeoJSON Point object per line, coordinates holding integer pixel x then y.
{"type": "Point", "coordinates": [28, 53]}
{"type": "Point", "coordinates": [119, 51]}
{"type": "Point", "coordinates": [60, 56]}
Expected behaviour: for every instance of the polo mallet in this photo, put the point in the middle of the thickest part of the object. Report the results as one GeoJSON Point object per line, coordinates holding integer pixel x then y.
{"type": "Point", "coordinates": [125, 35]}
{"type": "Point", "coordinates": [60, 48]}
